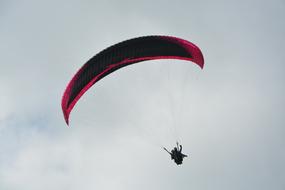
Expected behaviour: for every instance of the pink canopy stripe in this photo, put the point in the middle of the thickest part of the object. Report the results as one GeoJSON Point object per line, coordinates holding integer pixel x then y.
{"type": "Point", "coordinates": [123, 54]}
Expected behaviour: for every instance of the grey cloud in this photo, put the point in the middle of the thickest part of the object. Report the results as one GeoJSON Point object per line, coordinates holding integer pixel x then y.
{"type": "Point", "coordinates": [229, 117]}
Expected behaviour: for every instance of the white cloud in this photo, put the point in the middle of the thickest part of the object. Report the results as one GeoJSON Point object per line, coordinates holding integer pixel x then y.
{"type": "Point", "coordinates": [229, 117]}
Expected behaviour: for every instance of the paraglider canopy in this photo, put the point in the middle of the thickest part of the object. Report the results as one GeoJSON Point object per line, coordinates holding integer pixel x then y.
{"type": "Point", "coordinates": [122, 54]}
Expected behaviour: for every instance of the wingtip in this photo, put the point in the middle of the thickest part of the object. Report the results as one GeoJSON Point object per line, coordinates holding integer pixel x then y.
{"type": "Point", "coordinates": [66, 118]}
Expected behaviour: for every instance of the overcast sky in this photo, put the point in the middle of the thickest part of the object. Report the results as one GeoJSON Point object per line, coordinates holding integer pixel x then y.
{"type": "Point", "coordinates": [230, 116]}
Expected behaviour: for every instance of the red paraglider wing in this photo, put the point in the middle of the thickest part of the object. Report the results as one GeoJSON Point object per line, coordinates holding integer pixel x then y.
{"type": "Point", "coordinates": [123, 54]}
